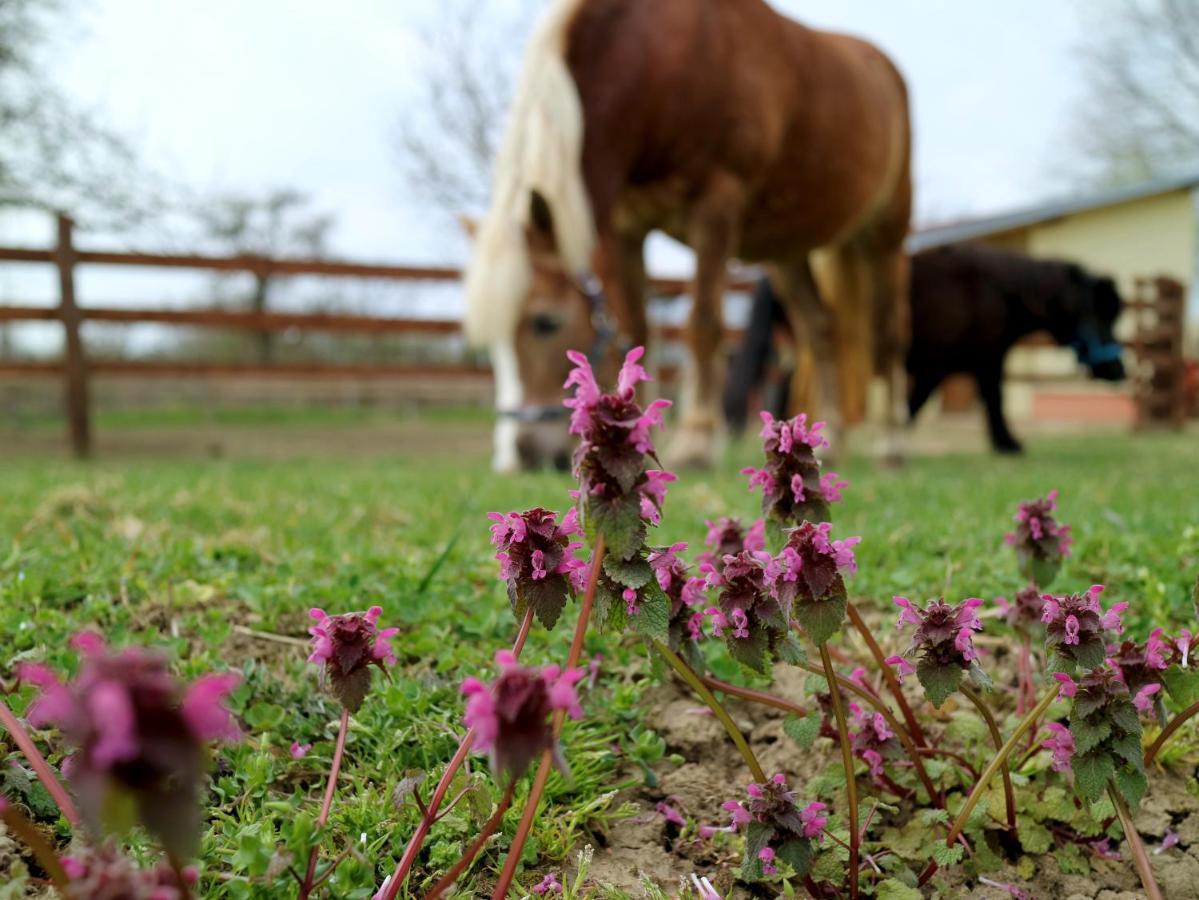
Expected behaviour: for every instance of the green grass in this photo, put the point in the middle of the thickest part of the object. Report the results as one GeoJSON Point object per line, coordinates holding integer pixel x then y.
{"type": "Point", "coordinates": [179, 553]}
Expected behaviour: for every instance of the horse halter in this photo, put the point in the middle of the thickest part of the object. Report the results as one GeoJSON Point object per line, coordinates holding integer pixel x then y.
{"type": "Point", "coordinates": [592, 290]}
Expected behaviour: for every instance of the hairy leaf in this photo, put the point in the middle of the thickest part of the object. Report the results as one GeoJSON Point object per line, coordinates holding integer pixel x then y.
{"type": "Point", "coordinates": [822, 619]}
{"type": "Point", "coordinates": [757, 836]}
{"type": "Point", "coordinates": [652, 618]}
{"type": "Point", "coordinates": [1091, 773]}
{"type": "Point", "coordinates": [803, 731]}
{"type": "Point", "coordinates": [797, 853]}
{"type": "Point", "coordinates": [947, 856]}
{"type": "Point", "coordinates": [619, 521]}
{"type": "Point", "coordinates": [634, 573]}
{"type": "Point", "coordinates": [894, 889]}
{"type": "Point", "coordinates": [1182, 684]}
{"type": "Point", "coordinates": [939, 681]}
{"type": "Point", "coordinates": [753, 650]}
{"type": "Point", "coordinates": [1132, 785]}
{"type": "Point", "coordinates": [1089, 734]}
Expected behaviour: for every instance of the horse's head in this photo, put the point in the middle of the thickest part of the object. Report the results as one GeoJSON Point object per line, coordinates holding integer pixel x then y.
{"type": "Point", "coordinates": [1086, 323]}
{"type": "Point", "coordinates": [555, 310]}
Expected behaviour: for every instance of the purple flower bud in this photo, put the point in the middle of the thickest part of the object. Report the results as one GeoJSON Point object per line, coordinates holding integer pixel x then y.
{"type": "Point", "coordinates": [766, 855]}
{"type": "Point", "coordinates": [548, 885]}
{"type": "Point", "coordinates": [1075, 626]}
{"type": "Point", "coordinates": [510, 717]}
{"type": "Point", "coordinates": [139, 735]}
{"type": "Point", "coordinates": [670, 814]}
{"type": "Point", "coordinates": [102, 872]}
{"type": "Point", "coordinates": [793, 489]}
{"type": "Point", "coordinates": [944, 638]}
{"type": "Point", "coordinates": [1040, 542]}
{"type": "Point", "coordinates": [538, 560]}
{"type": "Point", "coordinates": [346, 646]}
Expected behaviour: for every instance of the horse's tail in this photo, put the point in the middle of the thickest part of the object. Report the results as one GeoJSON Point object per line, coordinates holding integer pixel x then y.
{"type": "Point", "coordinates": [542, 151]}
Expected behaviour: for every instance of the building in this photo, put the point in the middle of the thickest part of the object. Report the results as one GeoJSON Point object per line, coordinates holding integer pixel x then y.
{"type": "Point", "coordinates": [1132, 232]}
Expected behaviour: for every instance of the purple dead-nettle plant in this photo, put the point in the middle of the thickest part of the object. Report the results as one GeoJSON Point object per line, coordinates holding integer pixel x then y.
{"type": "Point", "coordinates": [944, 640]}
{"type": "Point", "coordinates": [793, 489]}
{"type": "Point", "coordinates": [538, 560]}
{"type": "Point", "coordinates": [511, 716]}
{"type": "Point", "coordinates": [1040, 542]}
{"type": "Point", "coordinates": [1023, 613]}
{"type": "Point", "coordinates": [687, 601]}
{"type": "Point", "coordinates": [753, 619]}
{"type": "Point", "coordinates": [1142, 666]}
{"type": "Point", "coordinates": [1076, 627]}
{"type": "Point", "coordinates": [728, 537]}
{"type": "Point", "coordinates": [102, 873]}
{"type": "Point", "coordinates": [1106, 729]}
{"type": "Point", "coordinates": [774, 822]}
{"type": "Point", "coordinates": [617, 493]}
{"type": "Point", "coordinates": [140, 738]}
{"type": "Point", "coordinates": [1061, 744]}
{"type": "Point", "coordinates": [346, 646]}
{"type": "Point", "coordinates": [873, 740]}
{"type": "Point", "coordinates": [806, 578]}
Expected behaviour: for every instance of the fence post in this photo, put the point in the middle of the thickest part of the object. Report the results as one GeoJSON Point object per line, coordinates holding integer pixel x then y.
{"type": "Point", "coordinates": [75, 362]}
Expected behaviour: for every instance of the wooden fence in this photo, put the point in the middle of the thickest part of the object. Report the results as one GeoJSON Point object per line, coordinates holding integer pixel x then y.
{"type": "Point", "coordinates": [75, 368]}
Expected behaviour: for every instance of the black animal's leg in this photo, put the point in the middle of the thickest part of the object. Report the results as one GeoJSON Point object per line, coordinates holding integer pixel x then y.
{"type": "Point", "coordinates": [749, 366]}
{"type": "Point", "coordinates": [990, 388]}
{"type": "Point", "coordinates": [923, 384]}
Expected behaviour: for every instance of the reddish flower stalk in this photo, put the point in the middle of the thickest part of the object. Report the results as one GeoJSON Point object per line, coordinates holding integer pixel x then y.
{"type": "Point", "coordinates": [1140, 858]}
{"type": "Point", "coordinates": [39, 765]}
{"type": "Point", "coordinates": [543, 770]}
{"type": "Point", "coordinates": [1009, 795]}
{"type": "Point", "coordinates": [488, 829]}
{"type": "Point", "coordinates": [429, 817]}
{"type": "Point", "coordinates": [851, 784]}
{"type": "Point", "coordinates": [327, 804]}
{"type": "Point", "coordinates": [893, 684]}
{"type": "Point", "coordinates": [20, 826]}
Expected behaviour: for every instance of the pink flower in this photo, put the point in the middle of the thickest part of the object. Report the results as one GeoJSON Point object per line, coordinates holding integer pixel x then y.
{"type": "Point", "coordinates": [719, 622]}
{"type": "Point", "coordinates": [346, 646]}
{"type": "Point", "coordinates": [908, 613]}
{"type": "Point", "coordinates": [740, 623]}
{"type": "Point", "coordinates": [653, 494]}
{"type": "Point", "coordinates": [548, 885]}
{"type": "Point", "coordinates": [670, 814]}
{"type": "Point", "coordinates": [1067, 687]}
{"type": "Point", "coordinates": [102, 872]}
{"type": "Point", "coordinates": [831, 485]}
{"type": "Point", "coordinates": [740, 813]}
{"type": "Point", "coordinates": [902, 666]}
{"type": "Point", "coordinates": [139, 735]}
{"type": "Point", "coordinates": [630, 598]}
{"type": "Point", "coordinates": [538, 559]}
{"type": "Point", "coordinates": [1075, 625]}
{"type": "Point", "coordinates": [1169, 839]}
{"type": "Point", "coordinates": [298, 750]}
{"type": "Point", "coordinates": [1062, 745]}
{"type": "Point", "coordinates": [766, 855]}
{"type": "Point", "coordinates": [814, 819]}
{"type": "Point", "coordinates": [510, 718]}
{"type": "Point", "coordinates": [1142, 701]}
{"type": "Point", "coordinates": [943, 636]}
{"type": "Point", "coordinates": [1040, 542]}
{"type": "Point", "coordinates": [1183, 643]}
{"type": "Point", "coordinates": [1071, 629]}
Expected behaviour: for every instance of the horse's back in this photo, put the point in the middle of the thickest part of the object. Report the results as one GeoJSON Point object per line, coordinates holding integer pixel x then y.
{"type": "Point", "coordinates": [814, 124]}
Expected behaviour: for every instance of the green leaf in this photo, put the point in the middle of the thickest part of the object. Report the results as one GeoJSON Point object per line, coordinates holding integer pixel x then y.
{"type": "Point", "coordinates": [1129, 747]}
{"type": "Point", "coordinates": [796, 853]}
{"type": "Point", "coordinates": [939, 681]}
{"type": "Point", "coordinates": [609, 608]}
{"type": "Point", "coordinates": [634, 573]}
{"type": "Point", "coordinates": [547, 596]}
{"type": "Point", "coordinates": [264, 716]}
{"type": "Point", "coordinates": [803, 731]}
{"type": "Point", "coordinates": [757, 836]}
{"type": "Point", "coordinates": [980, 678]}
{"type": "Point", "coordinates": [1091, 773]}
{"type": "Point", "coordinates": [1089, 734]}
{"type": "Point", "coordinates": [789, 650]}
{"type": "Point", "coordinates": [894, 889]}
{"type": "Point", "coordinates": [619, 521]}
{"type": "Point", "coordinates": [751, 651]}
{"type": "Point", "coordinates": [821, 619]}
{"type": "Point", "coordinates": [1182, 684]}
{"type": "Point", "coordinates": [1090, 654]}
{"type": "Point", "coordinates": [1035, 837]}
{"type": "Point", "coordinates": [947, 856]}
{"type": "Point", "coordinates": [652, 618]}
{"type": "Point", "coordinates": [1132, 785]}
{"type": "Point", "coordinates": [1124, 714]}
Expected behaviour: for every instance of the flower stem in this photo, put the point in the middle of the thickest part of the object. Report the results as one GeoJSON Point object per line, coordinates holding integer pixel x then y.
{"type": "Point", "coordinates": [447, 880]}
{"type": "Point", "coordinates": [20, 826]}
{"type": "Point", "coordinates": [1009, 795]}
{"type": "Point", "coordinates": [429, 816]}
{"type": "Point", "coordinates": [1000, 761]}
{"type": "Point", "coordinates": [543, 770]}
{"type": "Point", "coordinates": [185, 891]}
{"type": "Point", "coordinates": [888, 676]}
{"type": "Point", "coordinates": [1139, 857]}
{"type": "Point", "coordinates": [39, 765]}
{"type": "Point", "coordinates": [914, 752]}
{"type": "Point", "coordinates": [851, 784]}
{"type": "Point", "coordinates": [1168, 732]}
{"type": "Point", "coordinates": [327, 804]}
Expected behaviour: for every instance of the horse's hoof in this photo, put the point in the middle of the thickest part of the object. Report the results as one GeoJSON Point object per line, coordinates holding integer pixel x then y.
{"type": "Point", "coordinates": [1010, 448]}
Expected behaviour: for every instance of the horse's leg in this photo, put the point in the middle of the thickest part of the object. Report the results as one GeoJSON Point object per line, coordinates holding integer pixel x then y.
{"type": "Point", "coordinates": [712, 234]}
{"type": "Point", "coordinates": [989, 376]}
{"type": "Point", "coordinates": [924, 382]}
{"type": "Point", "coordinates": [814, 328]}
{"type": "Point", "coordinates": [749, 365]}
{"type": "Point", "coordinates": [892, 334]}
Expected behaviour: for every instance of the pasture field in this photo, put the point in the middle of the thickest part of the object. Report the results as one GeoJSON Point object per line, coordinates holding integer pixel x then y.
{"type": "Point", "coordinates": [218, 562]}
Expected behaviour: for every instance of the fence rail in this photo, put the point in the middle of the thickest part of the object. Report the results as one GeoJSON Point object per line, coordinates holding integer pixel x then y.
{"type": "Point", "coordinates": [75, 368]}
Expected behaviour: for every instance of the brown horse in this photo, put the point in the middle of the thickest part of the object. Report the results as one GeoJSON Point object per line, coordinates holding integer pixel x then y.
{"type": "Point", "coordinates": [733, 129]}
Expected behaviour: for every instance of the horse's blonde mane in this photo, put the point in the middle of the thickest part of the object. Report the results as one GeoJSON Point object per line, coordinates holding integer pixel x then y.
{"type": "Point", "coordinates": [542, 151]}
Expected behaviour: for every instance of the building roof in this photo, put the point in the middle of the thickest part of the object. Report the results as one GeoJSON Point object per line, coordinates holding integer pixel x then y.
{"type": "Point", "coordinates": [972, 229]}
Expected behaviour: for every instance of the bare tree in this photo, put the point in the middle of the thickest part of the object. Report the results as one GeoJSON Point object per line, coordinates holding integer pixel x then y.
{"type": "Point", "coordinates": [277, 223]}
{"type": "Point", "coordinates": [55, 155]}
{"type": "Point", "coordinates": [448, 136]}
{"type": "Point", "coordinates": [1140, 112]}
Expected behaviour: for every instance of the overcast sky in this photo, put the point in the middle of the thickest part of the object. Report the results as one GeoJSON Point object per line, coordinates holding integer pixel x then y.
{"type": "Point", "coordinates": [250, 94]}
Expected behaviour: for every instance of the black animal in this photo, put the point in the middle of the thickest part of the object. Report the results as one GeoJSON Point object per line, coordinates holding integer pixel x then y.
{"type": "Point", "coordinates": [969, 305]}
